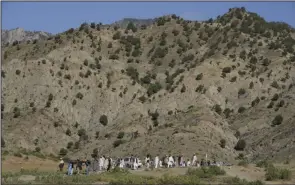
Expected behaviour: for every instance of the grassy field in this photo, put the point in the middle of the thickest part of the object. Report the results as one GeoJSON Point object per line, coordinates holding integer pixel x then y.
{"type": "Point", "coordinates": [34, 171]}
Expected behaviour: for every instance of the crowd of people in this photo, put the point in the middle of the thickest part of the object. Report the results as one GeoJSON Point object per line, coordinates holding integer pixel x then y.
{"type": "Point", "coordinates": [104, 163]}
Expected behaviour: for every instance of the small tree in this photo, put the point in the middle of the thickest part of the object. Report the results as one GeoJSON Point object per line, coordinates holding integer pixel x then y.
{"type": "Point", "coordinates": [120, 135]}
{"type": "Point", "coordinates": [63, 152]}
{"type": "Point", "coordinates": [277, 120]}
{"type": "Point", "coordinates": [70, 145]}
{"type": "Point", "coordinates": [241, 144]}
{"type": "Point", "coordinates": [103, 120]}
{"type": "Point", "coordinates": [94, 153]}
{"type": "Point", "coordinates": [217, 109]}
{"type": "Point", "coordinates": [81, 132]}
{"type": "Point", "coordinates": [38, 149]}
{"type": "Point", "coordinates": [68, 132]}
{"type": "Point", "coordinates": [117, 143]}
{"type": "Point", "coordinates": [222, 143]}
{"type": "Point", "coordinates": [182, 90]}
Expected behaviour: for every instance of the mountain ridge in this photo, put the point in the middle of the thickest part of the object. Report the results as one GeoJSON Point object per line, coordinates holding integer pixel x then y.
{"type": "Point", "coordinates": [175, 86]}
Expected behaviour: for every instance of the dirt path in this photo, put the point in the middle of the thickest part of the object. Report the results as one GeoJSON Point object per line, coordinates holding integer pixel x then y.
{"type": "Point", "coordinates": [249, 173]}
{"type": "Point", "coordinates": [14, 164]}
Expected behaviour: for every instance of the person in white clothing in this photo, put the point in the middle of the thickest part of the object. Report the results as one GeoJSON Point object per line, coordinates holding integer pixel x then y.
{"type": "Point", "coordinates": [100, 163]}
{"type": "Point", "coordinates": [194, 163]}
{"type": "Point", "coordinates": [135, 164]}
{"type": "Point", "coordinates": [156, 161]}
{"type": "Point", "coordinates": [147, 161]}
{"type": "Point", "coordinates": [170, 161]}
{"type": "Point", "coordinates": [188, 163]}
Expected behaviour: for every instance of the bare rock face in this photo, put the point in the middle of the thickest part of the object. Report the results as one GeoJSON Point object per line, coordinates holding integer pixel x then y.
{"type": "Point", "coordinates": [175, 87]}
{"type": "Point", "coordinates": [20, 35]}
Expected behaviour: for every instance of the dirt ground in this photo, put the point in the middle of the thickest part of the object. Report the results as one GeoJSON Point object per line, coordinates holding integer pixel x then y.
{"type": "Point", "coordinates": [250, 173]}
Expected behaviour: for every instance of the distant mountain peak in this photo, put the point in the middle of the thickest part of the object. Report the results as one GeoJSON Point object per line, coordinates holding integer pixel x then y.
{"type": "Point", "coordinates": [21, 35]}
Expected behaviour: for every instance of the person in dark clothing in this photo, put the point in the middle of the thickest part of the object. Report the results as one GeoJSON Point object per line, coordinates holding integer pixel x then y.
{"type": "Point", "coordinates": [209, 163]}
{"type": "Point", "coordinates": [87, 163]}
{"type": "Point", "coordinates": [109, 164]}
{"type": "Point", "coordinates": [79, 166]}
{"type": "Point", "coordinates": [202, 162]}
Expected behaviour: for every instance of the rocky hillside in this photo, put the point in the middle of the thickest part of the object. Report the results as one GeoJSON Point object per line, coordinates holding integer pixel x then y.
{"type": "Point", "coordinates": [136, 22]}
{"type": "Point", "coordinates": [221, 87]}
{"type": "Point", "coordinates": [20, 35]}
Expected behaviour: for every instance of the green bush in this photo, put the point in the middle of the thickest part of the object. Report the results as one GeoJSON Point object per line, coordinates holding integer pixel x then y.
{"type": "Point", "coordinates": [63, 152]}
{"type": "Point", "coordinates": [277, 120]}
{"type": "Point", "coordinates": [241, 91]}
{"type": "Point", "coordinates": [117, 143]}
{"type": "Point", "coordinates": [222, 143]}
{"type": "Point", "coordinates": [241, 145]}
{"type": "Point", "coordinates": [120, 135]}
{"type": "Point", "coordinates": [103, 120]}
{"type": "Point", "coordinates": [273, 173]}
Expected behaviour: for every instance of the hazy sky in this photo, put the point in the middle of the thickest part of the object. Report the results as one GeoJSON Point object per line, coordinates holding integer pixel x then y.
{"type": "Point", "coordinates": [55, 17]}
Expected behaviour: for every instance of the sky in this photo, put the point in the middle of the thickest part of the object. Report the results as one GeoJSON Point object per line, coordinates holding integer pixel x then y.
{"type": "Point", "coordinates": [56, 17]}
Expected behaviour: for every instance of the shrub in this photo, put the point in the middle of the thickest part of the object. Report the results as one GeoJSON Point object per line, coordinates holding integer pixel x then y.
{"type": "Point", "coordinates": [241, 109]}
{"type": "Point", "coordinates": [77, 145]}
{"type": "Point", "coordinates": [16, 112]}
{"type": "Point", "coordinates": [74, 102]}
{"type": "Point", "coordinates": [85, 62]}
{"type": "Point", "coordinates": [117, 35]}
{"type": "Point", "coordinates": [277, 120]}
{"type": "Point", "coordinates": [241, 144]}
{"type": "Point", "coordinates": [132, 72]}
{"type": "Point", "coordinates": [68, 132]}
{"type": "Point", "coordinates": [37, 149]}
{"type": "Point", "coordinates": [243, 163]}
{"type": "Point", "coordinates": [114, 57]}
{"type": "Point", "coordinates": [217, 109]}
{"type": "Point", "coordinates": [222, 143]}
{"type": "Point", "coordinates": [81, 132]}
{"type": "Point", "coordinates": [263, 164]}
{"type": "Point", "coordinates": [79, 95]}
{"type": "Point", "coordinates": [281, 103]}
{"type": "Point", "coordinates": [233, 79]}
{"type": "Point", "coordinates": [18, 154]}
{"type": "Point", "coordinates": [275, 97]}
{"type": "Point", "coordinates": [241, 91]}
{"type": "Point", "coordinates": [199, 76]}
{"type": "Point", "coordinates": [275, 84]}
{"type": "Point", "coordinates": [63, 152]}
{"type": "Point", "coordinates": [117, 143]}
{"type": "Point", "coordinates": [103, 120]}
{"type": "Point", "coordinates": [17, 72]}
{"type": "Point", "coordinates": [182, 90]}
{"type": "Point", "coordinates": [154, 88]}
{"type": "Point", "coordinates": [70, 145]}
{"type": "Point", "coordinates": [97, 134]}
{"type": "Point", "coordinates": [237, 134]}
{"type": "Point", "coordinates": [120, 135]}
{"type": "Point", "coordinates": [226, 70]}
{"type": "Point", "coordinates": [142, 99]}
{"type": "Point", "coordinates": [94, 153]}
{"type": "Point", "coordinates": [251, 85]}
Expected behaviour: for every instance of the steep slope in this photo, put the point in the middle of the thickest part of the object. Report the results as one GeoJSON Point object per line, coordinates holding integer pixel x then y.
{"type": "Point", "coordinates": [173, 87]}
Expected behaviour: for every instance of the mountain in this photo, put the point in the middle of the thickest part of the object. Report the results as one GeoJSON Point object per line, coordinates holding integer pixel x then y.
{"type": "Point", "coordinates": [19, 34]}
{"type": "Point", "coordinates": [221, 87]}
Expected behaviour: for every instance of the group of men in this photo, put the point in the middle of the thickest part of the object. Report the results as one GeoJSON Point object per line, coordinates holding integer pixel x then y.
{"type": "Point", "coordinates": [107, 163]}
